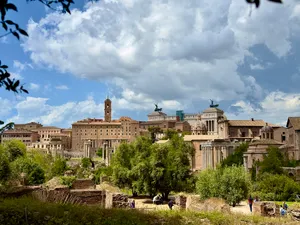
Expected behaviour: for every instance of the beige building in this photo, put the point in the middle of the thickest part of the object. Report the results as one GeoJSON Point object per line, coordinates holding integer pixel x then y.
{"type": "Point", "coordinates": [89, 135]}
{"type": "Point", "coordinates": [258, 147]}
{"type": "Point", "coordinates": [26, 136]}
{"type": "Point", "coordinates": [28, 126]}
{"type": "Point", "coordinates": [214, 137]}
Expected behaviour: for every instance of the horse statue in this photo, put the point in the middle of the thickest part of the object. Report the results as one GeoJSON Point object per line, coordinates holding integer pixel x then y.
{"type": "Point", "coordinates": [212, 105]}
{"type": "Point", "coordinates": [157, 109]}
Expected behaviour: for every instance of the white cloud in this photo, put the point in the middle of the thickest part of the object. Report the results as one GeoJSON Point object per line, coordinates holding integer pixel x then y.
{"type": "Point", "coordinates": [62, 87]}
{"type": "Point", "coordinates": [6, 107]}
{"type": "Point", "coordinates": [257, 67]}
{"type": "Point", "coordinates": [276, 107]}
{"type": "Point", "coordinates": [176, 51]}
{"type": "Point", "coordinates": [34, 87]}
{"type": "Point", "coordinates": [38, 109]}
{"type": "Point", "coordinates": [16, 76]}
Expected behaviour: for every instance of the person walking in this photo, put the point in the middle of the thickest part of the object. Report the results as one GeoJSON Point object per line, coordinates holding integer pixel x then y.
{"type": "Point", "coordinates": [170, 204]}
{"type": "Point", "coordinates": [250, 202]}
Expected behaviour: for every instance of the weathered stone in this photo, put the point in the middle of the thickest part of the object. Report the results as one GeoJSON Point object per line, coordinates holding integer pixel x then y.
{"type": "Point", "coordinates": [180, 200]}
{"type": "Point", "coordinates": [194, 203]}
{"type": "Point", "coordinates": [266, 208]}
{"type": "Point", "coordinates": [116, 200]}
{"type": "Point", "coordinates": [83, 184]}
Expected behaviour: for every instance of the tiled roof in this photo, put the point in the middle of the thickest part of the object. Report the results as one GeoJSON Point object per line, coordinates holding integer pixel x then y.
{"type": "Point", "coordinates": [47, 127]}
{"type": "Point", "coordinates": [17, 131]}
{"type": "Point", "coordinates": [249, 123]}
{"type": "Point", "coordinates": [295, 122]}
{"type": "Point", "coordinates": [265, 142]}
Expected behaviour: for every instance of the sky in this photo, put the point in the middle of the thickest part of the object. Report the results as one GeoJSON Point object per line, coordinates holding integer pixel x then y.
{"type": "Point", "coordinates": [177, 54]}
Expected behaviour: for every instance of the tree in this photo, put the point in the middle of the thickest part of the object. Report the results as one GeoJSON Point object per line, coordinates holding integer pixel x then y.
{"type": "Point", "coordinates": [59, 166]}
{"type": "Point", "coordinates": [237, 157]}
{"type": "Point", "coordinates": [99, 152]}
{"type": "Point", "coordinates": [230, 183]}
{"type": "Point", "coordinates": [85, 163]}
{"type": "Point", "coordinates": [273, 161]}
{"type": "Point", "coordinates": [153, 132]}
{"type": "Point", "coordinates": [33, 172]}
{"type": "Point", "coordinates": [14, 149]}
{"type": "Point", "coordinates": [4, 167]}
{"type": "Point", "coordinates": [151, 168]}
{"type": "Point", "coordinates": [257, 2]}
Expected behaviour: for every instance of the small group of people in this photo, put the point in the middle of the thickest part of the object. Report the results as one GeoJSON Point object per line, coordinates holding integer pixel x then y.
{"type": "Point", "coordinates": [283, 209]}
{"type": "Point", "coordinates": [158, 200]}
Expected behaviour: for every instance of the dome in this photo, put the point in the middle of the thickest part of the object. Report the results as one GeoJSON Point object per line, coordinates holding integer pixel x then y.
{"type": "Point", "coordinates": [267, 128]}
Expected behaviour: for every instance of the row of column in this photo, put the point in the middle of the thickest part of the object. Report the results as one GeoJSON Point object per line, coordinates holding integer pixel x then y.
{"type": "Point", "coordinates": [212, 155]}
{"type": "Point", "coordinates": [210, 124]}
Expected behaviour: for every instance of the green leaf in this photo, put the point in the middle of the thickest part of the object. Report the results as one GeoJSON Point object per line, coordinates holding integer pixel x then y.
{"type": "Point", "coordinates": [16, 35]}
{"type": "Point", "coordinates": [4, 25]}
{"type": "Point", "coordinates": [9, 22]}
{"type": "Point", "coordinates": [23, 32]}
{"type": "Point", "coordinates": [11, 6]}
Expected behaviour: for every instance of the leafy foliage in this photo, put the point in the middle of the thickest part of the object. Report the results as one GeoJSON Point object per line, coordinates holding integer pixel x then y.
{"type": "Point", "coordinates": [237, 157]}
{"type": "Point", "coordinates": [273, 161]}
{"type": "Point", "coordinates": [99, 152]}
{"type": "Point", "coordinates": [230, 183]}
{"type": "Point", "coordinates": [4, 167]}
{"type": "Point", "coordinates": [257, 2]}
{"type": "Point", "coordinates": [151, 168]}
{"type": "Point", "coordinates": [59, 166]}
{"type": "Point", "coordinates": [33, 172]}
{"type": "Point", "coordinates": [14, 149]}
{"type": "Point", "coordinates": [276, 187]}
{"type": "Point", "coordinates": [68, 181]}
{"type": "Point", "coordinates": [85, 163]}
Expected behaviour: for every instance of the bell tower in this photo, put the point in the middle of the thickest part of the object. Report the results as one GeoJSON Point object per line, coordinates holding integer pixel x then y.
{"type": "Point", "coordinates": [107, 110]}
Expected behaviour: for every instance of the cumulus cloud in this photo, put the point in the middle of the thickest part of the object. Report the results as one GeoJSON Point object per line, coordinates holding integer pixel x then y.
{"type": "Point", "coordinates": [34, 87]}
{"type": "Point", "coordinates": [175, 51]}
{"type": "Point", "coordinates": [276, 107]}
{"type": "Point", "coordinates": [62, 87]}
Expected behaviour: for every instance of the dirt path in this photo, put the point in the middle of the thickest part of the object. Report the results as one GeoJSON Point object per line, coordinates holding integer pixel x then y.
{"type": "Point", "coordinates": [242, 208]}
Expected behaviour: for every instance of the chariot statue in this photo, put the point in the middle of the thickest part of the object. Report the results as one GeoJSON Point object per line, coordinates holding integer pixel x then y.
{"type": "Point", "coordinates": [157, 109]}
{"type": "Point", "coordinates": [212, 105]}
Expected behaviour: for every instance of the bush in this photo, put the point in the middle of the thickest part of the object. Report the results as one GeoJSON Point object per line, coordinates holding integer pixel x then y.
{"type": "Point", "coordinates": [59, 166]}
{"type": "Point", "coordinates": [4, 168]}
{"type": "Point", "coordinates": [277, 187]}
{"type": "Point", "coordinates": [99, 152]}
{"type": "Point", "coordinates": [68, 181]}
{"type": "Point", "coordinates": [86, 163]}
{"type": "Point", "coordinates": [34, 174]}
{"type": "Point", "coordinates": [14, 149]}
{"type": "Point", "coordinates": [102, 171]}
{"type": "Point", "coordinates": [230, 183]}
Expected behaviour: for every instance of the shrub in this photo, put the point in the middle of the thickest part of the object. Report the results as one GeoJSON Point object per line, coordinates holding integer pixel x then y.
{"type": "Point", "coordinates": [230, 183]}
{"type": "Point", "coordinates": [277, 187]}
{"type": "Point", "coordinates": [86, 162]}
{"type": "Point", "coordinates": [4, 168]}
{"type": "Point", "coordinates": [99, 152]}
{"type": "Point", "coordinates": [14, 149]}
{"type": "Point", "coordinates": [33, 171]}
{"type": "Point", "coordinates": [59, 166]}
{"type": "Point", "coordinates": [68, 181]}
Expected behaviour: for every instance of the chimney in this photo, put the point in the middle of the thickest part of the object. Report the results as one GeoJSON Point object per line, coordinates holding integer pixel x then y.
{"type": "Point", "coordinates": [252, 119]}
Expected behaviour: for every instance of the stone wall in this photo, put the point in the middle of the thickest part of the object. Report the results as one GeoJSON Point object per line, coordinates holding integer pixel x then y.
{"type": "Point", "coordinates": [116, 200]}
{"type": "Point", "coordinates": [180, 200]}
{"type": "Point", "coordinates": [83, 184]}
{"type": "Point", "coordinates": [266, 209]}
{"type": "Point", "coordinates": [194, 203]}
{"type": "Point", "coordinates": [65, 195]}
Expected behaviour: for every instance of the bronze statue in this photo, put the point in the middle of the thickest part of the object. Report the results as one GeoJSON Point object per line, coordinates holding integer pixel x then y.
{"type": "Point", "coordinates": [212, 105]}
{"type": "Point", "coordinates": [157, 109]}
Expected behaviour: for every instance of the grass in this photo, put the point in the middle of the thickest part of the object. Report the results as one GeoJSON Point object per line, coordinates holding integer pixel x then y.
{"type": "Point", "coordinates": [28, 211]}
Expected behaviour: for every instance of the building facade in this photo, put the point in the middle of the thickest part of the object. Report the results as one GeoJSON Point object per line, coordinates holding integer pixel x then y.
{"type": "Point", "coordinates": [98, 133]}
{"type": "Point", "coordinates": [26, 136]}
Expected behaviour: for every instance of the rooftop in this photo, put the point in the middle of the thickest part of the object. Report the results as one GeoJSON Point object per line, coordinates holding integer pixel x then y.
{"type": "Point", "coordinates": [249, 123]}
{"type": "Point", "coordinates": [265, 142]}
{"type": "Point", "coordinates": [17, 132]}
{"type": "Point", "coordinates": [294, 122]}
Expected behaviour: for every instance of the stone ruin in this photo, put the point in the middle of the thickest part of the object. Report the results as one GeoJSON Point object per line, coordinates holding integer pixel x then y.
{"type": "Point", "coordinates": [266, 209]}
{"type": "Point", "coordinates": [83, 191]}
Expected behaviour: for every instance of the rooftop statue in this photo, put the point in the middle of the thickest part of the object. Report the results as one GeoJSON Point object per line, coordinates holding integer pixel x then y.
{"type": "Point", "coordinates": [157, 109]}
{"type": "Point", "coordinates": [212, 104]}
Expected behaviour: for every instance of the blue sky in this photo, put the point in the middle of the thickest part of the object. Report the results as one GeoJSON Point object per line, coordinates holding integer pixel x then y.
{"type": "Point", "coordinates": [174, 53]}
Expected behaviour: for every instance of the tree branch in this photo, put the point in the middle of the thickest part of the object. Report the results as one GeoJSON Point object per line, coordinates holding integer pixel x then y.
{"type": "Point", "coordinates": [1, 36]}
